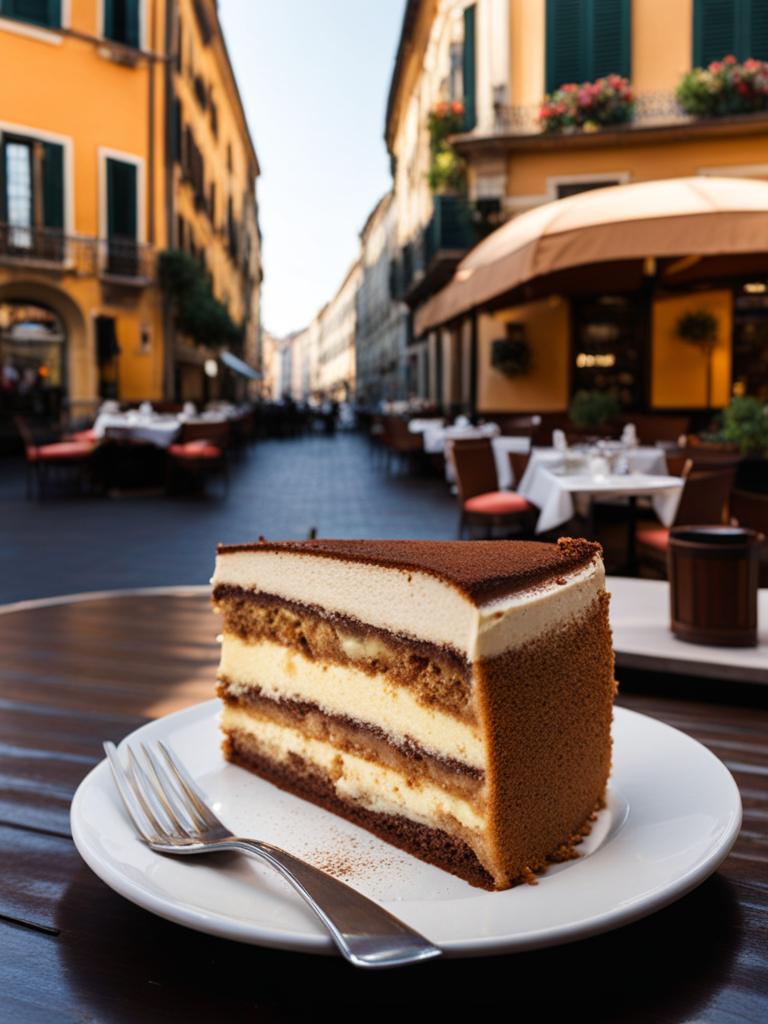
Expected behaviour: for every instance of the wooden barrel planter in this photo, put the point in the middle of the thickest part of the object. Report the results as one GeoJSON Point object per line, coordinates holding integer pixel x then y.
{"type": "Point", "coordinates": [713, 572]}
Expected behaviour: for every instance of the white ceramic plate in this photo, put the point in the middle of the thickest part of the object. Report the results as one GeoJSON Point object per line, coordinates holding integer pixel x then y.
{"type": "Point", "coordinates": [673, 814]}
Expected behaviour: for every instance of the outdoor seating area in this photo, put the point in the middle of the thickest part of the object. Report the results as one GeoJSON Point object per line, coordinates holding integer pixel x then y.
{"type": "Point", "coordinates": [627, 484]}
{"type": "Point", "coordinates": [136, 446]}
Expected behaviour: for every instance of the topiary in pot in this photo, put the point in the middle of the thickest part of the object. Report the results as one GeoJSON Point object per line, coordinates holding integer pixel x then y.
{"type": "Point", "coordinates": [700, 328]}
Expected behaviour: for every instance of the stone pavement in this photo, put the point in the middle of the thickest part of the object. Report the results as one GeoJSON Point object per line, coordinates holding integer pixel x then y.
{"type": "Point", "coordinates": [280, 489]}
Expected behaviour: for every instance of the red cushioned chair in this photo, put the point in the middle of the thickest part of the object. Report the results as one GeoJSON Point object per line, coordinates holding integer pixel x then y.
{"type": "Point", "coordinates": [43, 460]}
{"type": "Point", "coordinates": [481, 503]}
{"type": "Point", "coordinates": [703, 502]}
{"type": "Point", "coordinates": [200, 453]}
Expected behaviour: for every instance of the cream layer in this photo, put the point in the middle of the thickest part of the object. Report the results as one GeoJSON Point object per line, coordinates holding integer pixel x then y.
{"type": "Point", "coordinates": [372, 785]}
{"type": "Point", "coordinates": [284, 673]}
{"type": "Point", "coordinates": [413, 603]}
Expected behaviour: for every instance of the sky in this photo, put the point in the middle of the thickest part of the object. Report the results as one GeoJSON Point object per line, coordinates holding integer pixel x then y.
{"type": "Point", "coordinates": [314, 77]}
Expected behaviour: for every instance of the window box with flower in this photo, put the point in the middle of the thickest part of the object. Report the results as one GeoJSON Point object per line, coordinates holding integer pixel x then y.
{"type": "Point", "coordinates": [587, 107]}
{"type": "Point", "coordinates": [725, 87]}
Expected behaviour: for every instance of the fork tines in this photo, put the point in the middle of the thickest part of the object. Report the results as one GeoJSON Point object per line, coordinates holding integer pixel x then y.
{"type": "Point", "coordinates": [161, 799]}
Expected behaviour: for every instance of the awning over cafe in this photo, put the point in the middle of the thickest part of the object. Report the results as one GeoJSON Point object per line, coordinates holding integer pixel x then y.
{"type": "Point", "coordinates": [678, 217]}
{"type": "Point", "coordinates": [236, 364]}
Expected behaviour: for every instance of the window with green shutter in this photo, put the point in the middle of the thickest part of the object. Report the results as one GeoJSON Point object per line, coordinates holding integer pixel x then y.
{"type": "Point", "coordinates": [53, 185]}
{"type": "Point", "coordinates": [121, 21]}
{"type": "Point", "coordinates": [38, 12]}
{"type": "Point", "coordinates": [586, 39]}
{"type": "Point", "coordinates": [468, 69]}
{"type": "Point", "coordinates": [122, 218]}
{"type": "Point", "coordinates": [721, 27]}
{"type": "Point", "coordinates": [121, 199]}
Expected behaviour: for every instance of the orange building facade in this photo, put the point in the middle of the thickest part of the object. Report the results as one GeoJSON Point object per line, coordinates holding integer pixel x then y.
{"type": "Point", "coordinates": [93, 189]}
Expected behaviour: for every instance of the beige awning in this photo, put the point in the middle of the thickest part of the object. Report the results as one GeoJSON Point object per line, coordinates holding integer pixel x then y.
{"type": "Point", "coordinates": [675, 217]}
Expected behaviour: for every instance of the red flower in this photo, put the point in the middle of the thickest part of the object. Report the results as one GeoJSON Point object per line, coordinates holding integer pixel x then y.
{"type": "Point", "coordinates": [729, 59]}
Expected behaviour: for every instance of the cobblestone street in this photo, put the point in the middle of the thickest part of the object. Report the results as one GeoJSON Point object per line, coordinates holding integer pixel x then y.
{"type": "Point", "coordinates": [280, 489]}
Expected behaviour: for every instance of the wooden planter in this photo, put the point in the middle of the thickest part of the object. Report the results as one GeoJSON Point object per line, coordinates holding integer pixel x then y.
{"type": "Point", "coordinates": [713, 573]}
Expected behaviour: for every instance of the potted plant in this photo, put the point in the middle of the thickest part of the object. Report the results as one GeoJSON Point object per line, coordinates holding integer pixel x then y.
{"type": "Point", "coordinates": [587, 107]}
{"type": "Point", "coordinates": [512, 355]}
{"type": "Point", "coordinates": [745, 423]}
{"type": "Point", "coordinates": [724, 87]}
{"type": "Point", "coordinates": [699, 328]}
{"type": "Point", "coordinates": [594, 408]}
{"type": "Point", "coordinates": [447, 170]}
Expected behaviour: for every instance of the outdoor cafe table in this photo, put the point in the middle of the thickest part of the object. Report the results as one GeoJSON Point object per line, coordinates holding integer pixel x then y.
{"type": "Point", "coordinates": [160, 431]}
{"type": "Point", "coordinates": [554, 495]}
{"type": "Point", "coordinates": [76, 672]}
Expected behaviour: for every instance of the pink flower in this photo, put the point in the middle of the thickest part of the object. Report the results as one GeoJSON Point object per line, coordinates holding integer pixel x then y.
{"type": "Point", "coordinates": [729, 59]}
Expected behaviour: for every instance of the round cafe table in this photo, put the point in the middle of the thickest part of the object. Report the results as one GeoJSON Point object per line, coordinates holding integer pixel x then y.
{"type": "Point", "coordinates": [77, 671]}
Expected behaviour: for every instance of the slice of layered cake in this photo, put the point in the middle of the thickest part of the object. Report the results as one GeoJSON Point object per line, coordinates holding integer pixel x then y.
{"type": "Point", "coordinates": [452, 697]}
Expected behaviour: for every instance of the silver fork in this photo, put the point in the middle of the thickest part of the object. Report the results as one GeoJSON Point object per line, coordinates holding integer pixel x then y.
{"type": "Point", "coordinates": [170, 815]}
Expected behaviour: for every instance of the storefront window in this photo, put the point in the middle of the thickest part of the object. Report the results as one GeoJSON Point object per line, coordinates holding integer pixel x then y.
{"type": "Point", "coordinates": [31, 360]}
{"type": "Point", "coordinates": [609, 347]}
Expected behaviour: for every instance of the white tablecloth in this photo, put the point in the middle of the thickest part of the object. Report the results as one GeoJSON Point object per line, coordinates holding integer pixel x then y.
{"type": "Point", "coordinates": [419, 426]}
{"type": "Point", "coordinates": [159, 431]}
{"type": "Point", "coordinates": [436, 436]}
{"type": "Point", "coordinates": [502, 446]}
{"type": "Point", "coordinates": [554, 494]}
{"type": "Point", "coordinates": [641, 460]}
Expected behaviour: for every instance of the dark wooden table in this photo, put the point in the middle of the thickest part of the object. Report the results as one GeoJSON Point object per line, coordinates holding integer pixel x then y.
{"type": "Point", "coordinates": [75, 673]}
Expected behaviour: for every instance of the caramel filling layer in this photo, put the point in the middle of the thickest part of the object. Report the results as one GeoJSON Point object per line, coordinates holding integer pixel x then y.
{"type": "Point", "coordinates": [377, 787]}
{"type": "Point", "coordinates": [436, 676]}
{"type": "Point", "coordinates": [366, 741]}
{"type": "Point", "coordinates": [282, 673]}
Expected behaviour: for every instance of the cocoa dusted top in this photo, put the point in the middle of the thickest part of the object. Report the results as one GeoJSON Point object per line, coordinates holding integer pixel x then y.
{"type": "Point", "coordinates": [483, 569]}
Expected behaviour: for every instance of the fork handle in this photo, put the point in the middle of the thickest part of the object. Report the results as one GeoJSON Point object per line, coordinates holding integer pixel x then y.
{"type": "Point", "coordinates": [367, 935]}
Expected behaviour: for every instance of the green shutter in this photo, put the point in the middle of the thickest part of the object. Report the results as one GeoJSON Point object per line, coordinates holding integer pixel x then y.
{"type": "Point", "coordinates": [565, 42]}
{"type": "Point", "coordinates": [121, 199]}
{"type": "Point", "coordinates": [468, 69]}
{"type": "Point", "coordinates": [39, 12]}
{"type": "Point", "coordinates": [121, 21]}
{"type": "Point", "coordinates": [53, 185]}
{"type": "Point", "coordinates": [757, 15]}
{"type": "Point", "coordinates": [587, 39]}
{"type": "Point", "coordinates": [714, 30]}
{"type": "Point", "coordinates": [132, 22]}
{"type": "Point", "coordinates": [610, 38]}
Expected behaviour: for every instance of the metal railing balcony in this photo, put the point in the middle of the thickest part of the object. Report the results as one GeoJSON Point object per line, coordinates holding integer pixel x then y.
{"type": "Point", "coordinates": [121, 259]}
{"type": "Point", "coordinates": [651, 108]}
{"type": "Point", "coordinates": [450, 228]}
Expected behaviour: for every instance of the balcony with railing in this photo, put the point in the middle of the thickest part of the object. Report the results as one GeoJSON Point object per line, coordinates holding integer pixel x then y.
{"type": "Point", "coordinates": [114, 260]}
{"type": "Point", "coordinates": [654, 115]}
{"type": "Point", "coordinates": [426, 263]}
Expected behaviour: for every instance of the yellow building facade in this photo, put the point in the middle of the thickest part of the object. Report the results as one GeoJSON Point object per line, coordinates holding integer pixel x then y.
{"type": "Point", "coordinates": [92, 191]}
{"type": "Point", "coordinates": [498, 59]}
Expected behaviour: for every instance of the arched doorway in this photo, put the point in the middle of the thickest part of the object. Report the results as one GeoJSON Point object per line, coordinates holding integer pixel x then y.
{"type": "Point", "coordinates": [33, 364]}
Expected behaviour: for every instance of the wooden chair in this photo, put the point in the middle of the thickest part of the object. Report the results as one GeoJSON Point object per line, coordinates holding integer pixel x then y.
{"type": "Point", "coordinates": [703, 502]}
{"type": "Point", "coordinates": [676, 463]}
{"type": "Point", "coordinates": [400, 444]}
{"type": "Point", "coordinates": [200, 453]}
{"type": "Point", "coordinates": [750, 510]}
{"type": "Point", "coordinates": [518, 463]}
{"type": "Point", "coordinates": [480, 500]}
{"type": "Point", "coordinates": [44, 459]}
